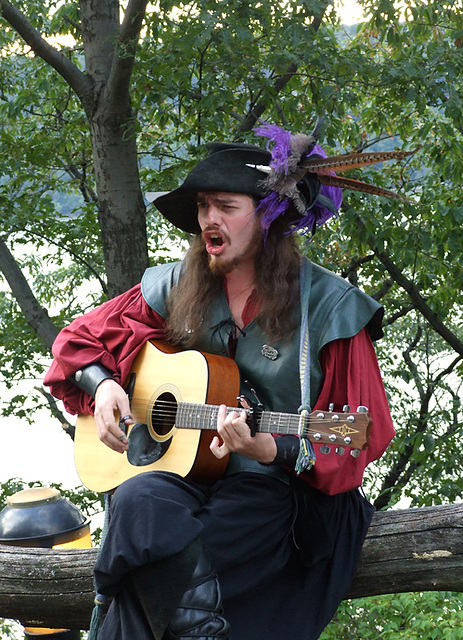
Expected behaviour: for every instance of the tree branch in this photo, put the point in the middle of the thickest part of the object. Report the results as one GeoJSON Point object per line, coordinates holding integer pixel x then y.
{"type": "Point", "coordinates": [403, 468]}
{"type": "Point", "coordinates": [36, 316]}
{"type": "Point", "coordinates": [411, 365]}
{"type": "Point", "coordinates": [118, 85]}
{"type": "Point", "coordinates": [398, 314]}
{"type": "Point", "coordinates": [415, 296]}
{"type": "Point", "coordinates": [280, 82]}
{"type": "Point", "coordinates": [77, 257]}
{"type": "Point", "coordinates": [59, 415]}
{"type": "Point", "coordinates": [73, 76]}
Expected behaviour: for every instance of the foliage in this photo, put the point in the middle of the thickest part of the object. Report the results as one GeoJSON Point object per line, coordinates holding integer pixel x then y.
{"type": "Point", "coordinates": [401, 616]}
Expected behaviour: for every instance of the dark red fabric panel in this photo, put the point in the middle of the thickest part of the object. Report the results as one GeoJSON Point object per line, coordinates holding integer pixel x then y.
{"type": "Point", "coordinates": [352, 377]}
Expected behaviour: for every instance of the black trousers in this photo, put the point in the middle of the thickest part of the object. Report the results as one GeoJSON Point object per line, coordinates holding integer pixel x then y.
{"type": "Point", "coordinates": [271, 589]}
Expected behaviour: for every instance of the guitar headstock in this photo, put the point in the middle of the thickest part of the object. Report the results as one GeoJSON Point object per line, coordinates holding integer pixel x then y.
{"type": "Point", "coordinates": [340, 429]}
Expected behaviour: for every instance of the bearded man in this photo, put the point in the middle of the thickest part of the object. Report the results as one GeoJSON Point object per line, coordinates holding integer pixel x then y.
{"type": "Point", "coordinates": [268, 550]}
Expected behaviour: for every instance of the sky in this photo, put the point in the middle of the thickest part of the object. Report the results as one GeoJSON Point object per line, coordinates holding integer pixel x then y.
{"type": "Point", "coordinates": [350, 11]}
{"type": "Point", "coordinates": [42, 451]}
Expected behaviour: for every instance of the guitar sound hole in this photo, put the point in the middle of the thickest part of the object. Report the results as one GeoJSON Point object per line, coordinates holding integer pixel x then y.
{"type": "Point", "coordinates": [163, 414]}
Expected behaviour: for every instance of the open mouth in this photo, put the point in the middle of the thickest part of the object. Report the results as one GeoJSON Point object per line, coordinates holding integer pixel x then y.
{"type": "Point", "coordinates": [214, 241]}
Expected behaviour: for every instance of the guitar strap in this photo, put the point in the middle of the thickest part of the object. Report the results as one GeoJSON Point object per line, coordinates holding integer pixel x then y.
{"type": "Point", "coordinates": [304, 348]}
{"type": "Point", "coordinates": [306, 457]}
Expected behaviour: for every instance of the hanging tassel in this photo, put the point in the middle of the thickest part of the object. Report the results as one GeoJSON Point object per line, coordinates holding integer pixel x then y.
{"type": "Point", "coordinates": [306, 457]}
{"type": "Point", "coordinates": [101, 602]}
{"type": "Point", "coordinates": [98, 614]}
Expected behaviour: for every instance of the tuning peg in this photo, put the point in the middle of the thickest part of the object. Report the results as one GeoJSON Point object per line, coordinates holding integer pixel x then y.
{"type": "Point", "coordinates": [340, 451]}
{"type": "Point", "coordinates": [355, 453]}
{"type": "Point", "coordinates": [362, 409]}
{"type": "Point", "coordinates": [325, 449]}
{"type": "Point", "coordinates": [331, 406]}
{"type": "Point", "coordinates": [346, 408]}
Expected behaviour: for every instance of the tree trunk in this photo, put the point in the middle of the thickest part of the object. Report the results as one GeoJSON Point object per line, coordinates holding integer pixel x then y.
{"type": "Point", "coordinates": [109, 54]}
{"type": "Point", "coordinates": [409, 550]}
{"type": "Point", "coordinates": [121, 210]}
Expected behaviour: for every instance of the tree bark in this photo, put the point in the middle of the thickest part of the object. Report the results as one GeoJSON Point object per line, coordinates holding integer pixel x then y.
{"type": "Point", "coordinates": [109, 55]}
{"type": "Point", "coordinates": [408, 550]}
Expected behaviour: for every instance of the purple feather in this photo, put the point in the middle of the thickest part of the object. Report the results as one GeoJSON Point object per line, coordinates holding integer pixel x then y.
{"type": "Point", "coordinates": [282, 145]}
{"type": "Point", "coordinates": [273, 205]}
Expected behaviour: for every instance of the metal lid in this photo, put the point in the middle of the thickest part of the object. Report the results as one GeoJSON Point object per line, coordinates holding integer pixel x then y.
{"type": "Point", "coordinates": [33, 497]}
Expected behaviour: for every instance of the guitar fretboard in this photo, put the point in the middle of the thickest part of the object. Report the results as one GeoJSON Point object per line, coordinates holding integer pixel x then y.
{"type": "Point", "coordinates": [203, 416]}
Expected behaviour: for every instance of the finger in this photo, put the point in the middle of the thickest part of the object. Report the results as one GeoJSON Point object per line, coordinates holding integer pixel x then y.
{"type": "Point", "coordinates": [239, 424]}
{"type": "Point", "coordinates": [219, 450]}
{"type": "Point", "coordinates": [221, 414]}
{"type": "Point", "coordinates": [125, 421]}
{"type": "Point", "coordinates": [230, 418]}
{"type": "Point", "coordinates": [110, 433]}
{"type": "Point", "coordinates": [117, 443]}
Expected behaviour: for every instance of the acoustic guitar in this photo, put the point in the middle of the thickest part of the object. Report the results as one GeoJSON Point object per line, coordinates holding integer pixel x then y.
{"type": "Point", "coordinates": [174, 400]}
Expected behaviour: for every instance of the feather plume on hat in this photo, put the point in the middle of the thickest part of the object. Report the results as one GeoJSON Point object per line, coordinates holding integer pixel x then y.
{"type": "Point", "coordinates": [301, 182]}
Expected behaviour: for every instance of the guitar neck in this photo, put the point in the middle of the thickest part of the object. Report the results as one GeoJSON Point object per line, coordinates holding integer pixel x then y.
{"type": "Point", "coordinates": [344, 429]}
{"type": "Point", "coordinates": [204, 416]}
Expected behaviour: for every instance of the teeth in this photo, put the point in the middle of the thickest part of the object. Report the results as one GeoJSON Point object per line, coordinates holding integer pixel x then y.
{"type": "Point", "coordinates": [216, 239]}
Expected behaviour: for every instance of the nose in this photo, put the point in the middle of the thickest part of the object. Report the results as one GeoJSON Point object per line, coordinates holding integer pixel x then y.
{"type": "Point", "coordinates": [209, 215]}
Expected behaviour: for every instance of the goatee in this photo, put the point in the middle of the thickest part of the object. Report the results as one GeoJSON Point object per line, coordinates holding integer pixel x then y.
{"type": "Point", "coordinates": [220, 267]}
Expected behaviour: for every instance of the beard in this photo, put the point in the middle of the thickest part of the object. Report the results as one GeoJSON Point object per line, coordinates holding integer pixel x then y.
{"type": "Point", "coordinates": [220, 267]}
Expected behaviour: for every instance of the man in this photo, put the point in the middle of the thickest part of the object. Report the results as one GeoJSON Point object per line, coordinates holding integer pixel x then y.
{"type": "Point", "coordinates": [264, 552]}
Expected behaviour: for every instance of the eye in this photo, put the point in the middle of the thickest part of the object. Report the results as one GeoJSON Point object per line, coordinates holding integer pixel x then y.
{"type": "Point", "coordinates": [228, 207]}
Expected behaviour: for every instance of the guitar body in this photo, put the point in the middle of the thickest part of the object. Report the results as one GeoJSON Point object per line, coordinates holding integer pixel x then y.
{"type": "Point", "coordinates": [162, 374]}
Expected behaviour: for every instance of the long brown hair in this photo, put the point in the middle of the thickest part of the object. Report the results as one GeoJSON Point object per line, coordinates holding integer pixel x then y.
{"type": "Point", "coordinates": [277, 288]}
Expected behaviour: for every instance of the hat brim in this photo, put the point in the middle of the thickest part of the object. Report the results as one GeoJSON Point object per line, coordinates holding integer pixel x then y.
{"type": "Point", "coordinates": [180, 208]}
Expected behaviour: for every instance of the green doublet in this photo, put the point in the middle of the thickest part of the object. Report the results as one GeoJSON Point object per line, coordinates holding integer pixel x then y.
{"type": "Point", "coordinates": [335, 309]}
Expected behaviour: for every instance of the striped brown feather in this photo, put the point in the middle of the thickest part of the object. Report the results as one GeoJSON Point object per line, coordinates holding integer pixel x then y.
{"type": "Point", "coordinates": [357, 185]}
{"type": "Point", "coordinates": [351, 161]}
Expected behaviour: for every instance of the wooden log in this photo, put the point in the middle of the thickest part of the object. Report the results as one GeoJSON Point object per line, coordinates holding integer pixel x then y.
{"type": "Point", "coordinates": [412, 550]}
{"type": "Point", "coordinates": [406, 550]}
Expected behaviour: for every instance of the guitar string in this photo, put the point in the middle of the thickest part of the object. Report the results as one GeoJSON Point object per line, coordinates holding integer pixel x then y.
{"type": "Point", "coordinates": [169, 411]}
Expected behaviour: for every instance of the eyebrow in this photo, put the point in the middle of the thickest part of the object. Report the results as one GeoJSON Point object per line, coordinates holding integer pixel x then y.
{"type": "Point", "coordinates": [219, 199]}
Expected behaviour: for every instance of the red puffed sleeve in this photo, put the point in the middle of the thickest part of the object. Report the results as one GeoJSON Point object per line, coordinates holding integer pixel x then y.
{"type": "Point", "coordinates": [112, 334]}
{"type": "Point", "coordinates": [351, 376]}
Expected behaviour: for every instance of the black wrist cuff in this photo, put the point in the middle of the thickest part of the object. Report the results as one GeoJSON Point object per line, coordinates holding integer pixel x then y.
{"type": "Point", "coordinates": [88, 378]}
{"type": "Point", "coordinates": [287, 450]}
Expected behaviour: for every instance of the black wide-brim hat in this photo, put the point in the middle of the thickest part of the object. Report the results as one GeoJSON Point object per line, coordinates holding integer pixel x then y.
{"type": "Point", "coordinates": [225, 169]}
